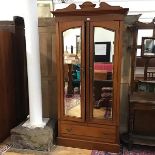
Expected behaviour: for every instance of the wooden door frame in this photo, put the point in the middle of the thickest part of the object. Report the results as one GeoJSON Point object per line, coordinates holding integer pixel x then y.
{"type": "Point", "coordinates": [115, 26]}
{"type": "Point", "coordinates": [62, 27]}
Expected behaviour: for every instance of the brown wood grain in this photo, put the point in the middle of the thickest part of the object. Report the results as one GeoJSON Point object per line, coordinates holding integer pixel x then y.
{"type": "Point", "coordinates": [89, 132]}
{"type": "Point", "coordinates": [13, 77]}
{"type": "Point", "coordinates": [6, 84]}
{"type": "Point", "coordinates": [47, 42]}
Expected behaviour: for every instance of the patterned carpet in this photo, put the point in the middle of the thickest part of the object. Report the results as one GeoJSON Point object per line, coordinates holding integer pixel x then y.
{"type": "Point", "coordinates": [140, 150]}
{"type": "Point", "coordinates": [4, 148]}
{"type": "Point", "coordinates": [95, 152]}
{"type": "Point", "coordinates": [71, 102]}
{"type": "Point", "coordinates": [135, 151]}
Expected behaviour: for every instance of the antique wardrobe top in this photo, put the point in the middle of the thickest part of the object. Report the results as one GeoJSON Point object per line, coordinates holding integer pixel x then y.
{"type": "Point", "coordinates": [88, 9]}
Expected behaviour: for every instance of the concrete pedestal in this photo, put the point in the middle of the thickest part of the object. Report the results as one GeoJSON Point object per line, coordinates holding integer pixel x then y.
{"type": "Point", "coordinates": [40, 139]}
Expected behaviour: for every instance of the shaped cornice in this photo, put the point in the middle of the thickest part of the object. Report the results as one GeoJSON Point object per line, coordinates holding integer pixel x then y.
{"type": "Point", "coordinates": [88, 8]}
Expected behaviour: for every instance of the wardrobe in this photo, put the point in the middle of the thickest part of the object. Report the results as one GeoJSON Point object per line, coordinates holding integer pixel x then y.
{"type": "Point", "coordinates": [89, 47]}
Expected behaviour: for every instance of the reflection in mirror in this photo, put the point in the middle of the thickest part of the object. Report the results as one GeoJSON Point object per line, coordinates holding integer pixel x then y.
{"type": "Point", "coordinates": [72, 80]}
{"type": "Point", "coordinates": [148, 46]}
{"type": "Point", "coordinates": [143, 33]}
{"type": "Point", "coordinates": [103, 73]}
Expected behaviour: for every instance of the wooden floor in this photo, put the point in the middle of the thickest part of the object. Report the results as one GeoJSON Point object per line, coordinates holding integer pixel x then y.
{"type": "Point", "coordinates": [97, 113]}
{"type": "Point", "coordinates": [57, 150]}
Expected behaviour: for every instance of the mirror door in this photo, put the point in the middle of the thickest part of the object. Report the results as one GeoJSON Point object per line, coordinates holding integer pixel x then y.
{"type": "Point", "coordinates": [103, 70]}
{"type": "Point", "coordinates": [73, 72]}
{"type": "Point", "coordinates": [89, 67]}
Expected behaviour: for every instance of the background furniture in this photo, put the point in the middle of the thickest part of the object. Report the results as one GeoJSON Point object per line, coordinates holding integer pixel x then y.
{"type": "Point", "coordinates": [142, 95]}
{"type": "Point", "coordinates": [13, 76]}
{"type": "Point", "coordinates": [47, 40]}
{"type": "Point", "coordinates": [141, 103]}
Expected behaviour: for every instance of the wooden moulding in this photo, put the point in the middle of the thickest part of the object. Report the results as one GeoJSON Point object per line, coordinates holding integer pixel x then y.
{"type": "Point", "coordinates": [141, 25]}
{"type": "Point", "coordinates": [88, 8]}
{"type": "Point", "coordinates": [44, 22]}
{"type": "Point", "coordinates": [84, 144]}
{"type": "Point", "coordinates": [10, 25]}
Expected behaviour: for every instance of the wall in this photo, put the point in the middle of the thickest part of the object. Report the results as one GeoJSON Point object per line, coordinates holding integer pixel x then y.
{"type": "Point", "coordinates": [70, 39]}
{"type": "Point", "coordinates": [9, 8]}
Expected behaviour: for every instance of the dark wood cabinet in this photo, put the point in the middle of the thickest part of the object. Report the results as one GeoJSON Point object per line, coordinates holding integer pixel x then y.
{"type": "Point", "coordinates": [142, 96]}
{"type": "Point", "coordinates": [7, 87]}
{"type": "Point", "coordinates": [89, 90]}
{"type": "Point", "coordinates": [13, 76]}
{"type": "Point", "coordinates": [141, 116]}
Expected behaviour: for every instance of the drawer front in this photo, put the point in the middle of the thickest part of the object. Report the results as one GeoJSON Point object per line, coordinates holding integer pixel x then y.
{"type": "Point", "coordinates": [105, 133]}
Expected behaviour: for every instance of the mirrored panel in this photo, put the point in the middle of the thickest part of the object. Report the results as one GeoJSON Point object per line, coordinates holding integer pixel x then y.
{"type": "Point", "coordinates": [103, 73]}
{"type": "Point", "coordinates": [72, 69]}
{"type": "Point", "coordinates": [143, 33]}
{"type": "Point", "coordinates": [148, 47]}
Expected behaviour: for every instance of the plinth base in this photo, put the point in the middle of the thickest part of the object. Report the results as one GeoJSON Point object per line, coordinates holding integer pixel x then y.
{"type": "Point", "coordinates": [40, 139]}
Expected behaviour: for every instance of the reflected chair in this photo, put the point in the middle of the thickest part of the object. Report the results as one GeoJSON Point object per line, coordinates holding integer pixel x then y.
{"type": "Point", "coordinates": [76, 76]}
{"type": "Point", "coordinates": [105, 101]}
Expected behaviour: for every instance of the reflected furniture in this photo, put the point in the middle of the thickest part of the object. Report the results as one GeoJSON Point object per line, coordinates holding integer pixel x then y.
{"type": "Point", "coordinates": [76, 76]}
{"type": "Point", "coordinates": [100, 75]}
{"type": "Point", "coordinates": [71, 73]}
{"type": "Point", "coordinates": [103, 74]}
{"type": "Point", "coordinates": [104, 67]}
{"type": "Point", "coordinates": [80, 124]}
{"type": "Point", "coordinates": [105, 101]}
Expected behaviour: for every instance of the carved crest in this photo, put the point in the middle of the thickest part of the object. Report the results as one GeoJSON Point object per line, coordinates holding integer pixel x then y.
{"type": "Point", "coordinates": [87, 5]}
{"type": "Point", "coordinates": [88, 8]}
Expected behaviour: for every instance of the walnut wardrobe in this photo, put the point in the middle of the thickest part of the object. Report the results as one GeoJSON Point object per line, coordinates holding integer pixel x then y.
{"type": "Point", "coordinates": [88, 75]}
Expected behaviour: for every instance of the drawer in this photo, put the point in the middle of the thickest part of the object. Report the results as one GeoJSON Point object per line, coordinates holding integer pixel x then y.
{"type": "Point", "coordinates": [105, 133]}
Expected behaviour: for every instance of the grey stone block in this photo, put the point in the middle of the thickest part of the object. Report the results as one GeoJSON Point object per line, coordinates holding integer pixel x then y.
{"type": "Point", "coordinates": [40, 139]}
